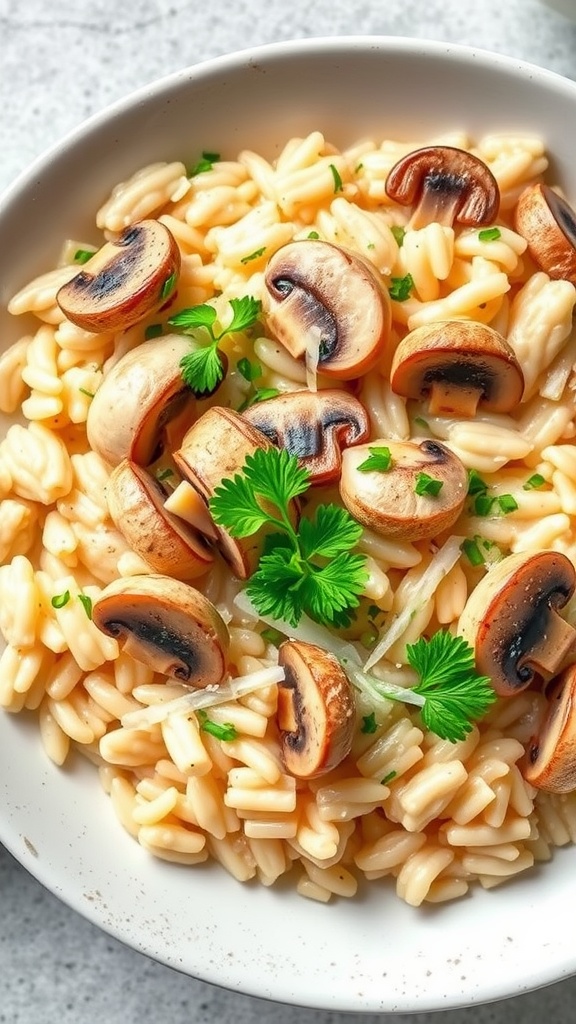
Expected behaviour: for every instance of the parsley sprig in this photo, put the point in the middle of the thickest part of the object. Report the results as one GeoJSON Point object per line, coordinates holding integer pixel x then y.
{"type": "Point", "coordinates": [203, 368]}
{"type": "Point", "coordinates": [308, 568]}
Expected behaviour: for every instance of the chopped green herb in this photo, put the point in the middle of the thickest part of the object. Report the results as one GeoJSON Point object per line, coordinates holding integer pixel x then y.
{"type": "Point", "coordinates": [455, 693]}
{"type": "Point", "coordinates": [428, 485]}
{"type": "Point", "coordinates": [203, 369]}
{"type": "Point", "coordinates": [370, 245]}
{"type": "Point", "coordinates": [388, 778]}
{"type": "Point", "coordinates": [310, 568]}
{"type": "Point", "coordinates": [206, 163]}
{"type": "Point", "coordinates": [472, 552]}
{"type": "Point", "coordinates": [254, 255]}
{"type": "Point", "coordinates": [313, 234]}
{"type": "Point", "coordinates": [369, 723]}
{"type": "Point", "coordinates": [83, 255]}
{"type": "Point", "coordinates": [421, 422]}
{"type": "Point", "coordinates": [399, 232]}
{"type": "Point", "coordinates": [86, 603]}
{"type": "Point", "coordinates": [358, 168]}
{"type": "Point", "coordinates": [476, 485]}
{"type": "Point", "coordinates": [534, 482]}
{"type": "Point", "coordinates": [273, 636]}
{"type": "Point", "coordinates": [483, 504]}
{"type": "Point", "coordinates": [378, 461]}
{"type": "Point", "coordinates": [153, 331]}
{"type": "Point", "coordinates": [489, 234]}
{"type": "Point", "coordinates": [168, 286]}
{"type": "Point", "coordinates": [260, 395]}
{"type": "Point", "coordinates": [226, 732]}
{"type": "Point", "coordinates": [59, 600]}
{"type": "Point", "coordinates": [250, 371]}
{"type": "Point", "coordinates": [507, 503]}
{"type": "Point", "coordinates": [84, 391]}
{"type": "Point", "coordinates": [164, 474]}
{"type": "Point", "coordinates": [338, 185]}
{"type": "Point", "coordinates": [401, 287]}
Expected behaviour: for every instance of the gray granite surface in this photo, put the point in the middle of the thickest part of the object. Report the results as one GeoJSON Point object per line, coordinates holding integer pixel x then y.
{"type": "Point", "coordinates": [60, 61]}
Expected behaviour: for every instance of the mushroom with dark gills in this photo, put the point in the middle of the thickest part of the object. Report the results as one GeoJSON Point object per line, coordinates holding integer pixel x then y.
{"type": "Point", "coordinates": [166, 624]}
{"type": "Point", "coordinates": [313, 425]}
{"type": "Point", "coordinates": [316, 710]}
{"type": "Point", "coordinates": [138, 397]}
{"type": "Point", "coordinates": [550, 761]}
{"type": "Point", "coordinates": [418, 491]}
{"type": "Point", "coordinates": [324, 299]}
{"type": "Point", "coordinates": [444, 184]}
{"type": "Point", "coordinates": [166, 542]}
{"type": "Point", "coordinates": [215, 449]}
{"type": "Point", "coordinates": [548, 223]}
{"type": "Point", "coordinates": [512, 620]}
{"type": "Point", "coordinates": [460, 366]}
{"type": "Point", "coordinates": [125, 281]}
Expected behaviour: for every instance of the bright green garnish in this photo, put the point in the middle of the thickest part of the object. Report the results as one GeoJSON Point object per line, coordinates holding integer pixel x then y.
{"type": "Point", "coordinates": [369, 723]}
{"type": "Point", "coordinates": [489, 234]}
{"type": "Point", "coordinates": [164, 474]}
{"type": "Point", "coordinates": [203, 369]}
{"type": "Point", "coordinates": [472, 552]}
{"type": "Point", "coordinates": [305, 569]}
{"type": "Point", "coordinates": [313, 234]}
{"type": "Point", "coordinates": [534, 482]}
{"type": "Point", "coordinates": [428, 485]}
{"type": "Point", "coordinates": [153, 331]}
{"type": "Point", "coordinates": [254, 255]}
{"type": "Point", "coordinates": [506, 503]}
{"type": "Point", "coordinates": [250, 371]}
{"type": "Point", "coordinates": [399, 232]}
{"type": "Point", "coordinates": [456, 695]}
{"type": "Point", "coordinates": [206, 163]}
{"type": "Point", "coordinates": [388, 778]}
{"type": "Point", "coordinates": [60, 600]}
{"type": "Point", "coordinates": [168, 286]}
{"type": "Point", "coordinates": [86, 603]}
{"type": "Point", "coordinates": [379, 460]}
{"type": "Point", "coordinates": [401, 287]}
{"type": "Point", "coordinates": [84, 391]}
{"type": "Point", "coordinates": [83, 255]}
{"type": "Point", "coordinates": [476, 485]}
{"type": "Point", "coordinates": [338, 185]}
{"type": "Point", "coordinates": [227, 732]}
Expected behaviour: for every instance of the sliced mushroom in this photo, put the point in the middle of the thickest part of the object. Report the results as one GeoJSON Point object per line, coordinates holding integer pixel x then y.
{"type": "Point", "coordinates": [316, 711]}
{"type": "Point", "coordinates": [328, 301]}
{"type": "Point", "coordinates": [388, 502]}
{"type": "Point", "coordinates": [459, 365]}
{"type": "Point", "coordinates": [444, 184]}
{"type": "Point", "coordinates": [168, 544]}
{"type": "Point", "coordinates": [548, 223]}
{"type": "Point", "coordinates": [136, 400]}
{"type": "Point", "coordinates": [314, 425]}
{"type": "Point", "coordinates": [511, 620]}
{"type": "Point", "coordinates": [215, 449]}
{"type": "Point", "coordinates": [124, 281]}
{"type": "Point", "coordinates": [167, 625]}
{"type": "Point", "coordinates": [550, 762]}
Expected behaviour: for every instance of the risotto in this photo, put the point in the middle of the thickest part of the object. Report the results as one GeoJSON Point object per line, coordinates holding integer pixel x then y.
{"type": "Point", "coordinates": [287, 517]}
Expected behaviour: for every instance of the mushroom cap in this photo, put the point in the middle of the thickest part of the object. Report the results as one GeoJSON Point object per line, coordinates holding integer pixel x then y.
{"type": "Point", "coordinates": [322, 296]}
{"type": "Point", "coordinates": [167, 625]}
{"type": "Point", "coordinates": [125, 281]}
{"type": "Point", "coordinates": [548, 223]}
{"type": "Point", "coordinates": [316, 710]}
{"type": "Point", "coordinates": [313, 425]}
{"type": "Point", "coordinates": [214, 449]}
{"type": "Point", "coordinates": [463, 362]}
{"type": "Point", "coordinates": [387, 501]}
{"type": "Point", "coordinates": [444, 184]}
{"type": "Point", "coordinates": [168, 544]}
{"type": "Point", "coordinates": [511, 619]}
{"type": "Point", "coordinates": [550, 762]}
{"type": "Point", "coordinates": [137, 398]}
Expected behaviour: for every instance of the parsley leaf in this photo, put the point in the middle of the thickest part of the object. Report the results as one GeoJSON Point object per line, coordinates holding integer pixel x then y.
{"type": "Point", "coordinates": [250, 371]}
{"type": "Point", "coordinates": [401, 287]}
{"type": "Point", "coordinates": [307, 568]}
{"type": "Point", "coordinates": [454, 692]}
{"type": "Point", "coordinates": [398, 231]}
{"type": "Point", "coordinates": [379, 460]}
{"type": "Point", "coordinates": [369, 723]}
{"type": "Point", "coordinates": [60, 600]}
{"type": "Point", "coordinates": [86, 603]}
{"type": "Point", "coordinates": [489, 234]}
{"type": "Point", "coordinates": [205, 163]}
{"type": "Point", "coordinates": [338, 185]}
{"type": "Point", "coordinates": [204, 368]}
{"type": "Point", "coordinates": [428, 485]}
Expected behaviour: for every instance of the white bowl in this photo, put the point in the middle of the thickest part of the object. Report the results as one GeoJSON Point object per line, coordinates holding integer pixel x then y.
{"type": "Point", "coordinates": [373, 953]}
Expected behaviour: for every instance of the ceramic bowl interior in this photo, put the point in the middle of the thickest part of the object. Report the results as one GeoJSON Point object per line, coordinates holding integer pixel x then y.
{"type": "Point", "coordinates": [373, 953]}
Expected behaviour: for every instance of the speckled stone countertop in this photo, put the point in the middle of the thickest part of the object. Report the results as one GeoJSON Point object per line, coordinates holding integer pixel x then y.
{"type": "Point", "coordinates": [59, 63]}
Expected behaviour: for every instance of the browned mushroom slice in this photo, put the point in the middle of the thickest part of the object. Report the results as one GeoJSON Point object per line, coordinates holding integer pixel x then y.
{"type": "Point", "coordinates": [550, 762]}
{"type": "Point", "coordinates": [511, 620]}
{"type": "Point", "coordinates": [167, 625]}
{"type": "Point", "coordinates": [548, 223]}
{"type": "Point", "coordinates": [215, 449]}
{"type": "Point", "coordinates": [459, 365]}
{"type": "Point", "coordinates": [325, 299]}
{"type": "Point", "coordinates": [124, 281]}
{"type": "Point", "coordinates": [314, 426]}
{"type": "Point", "coordinates": [316, 711]}
{"type": "Point", "coordinates": [168, 544]}
{"type": "Point", "coordinates": [401, 501]}
{"type": "Point", "coordinates": [444, 184]}
{"type": "Point", "coordinates": [137, 399]}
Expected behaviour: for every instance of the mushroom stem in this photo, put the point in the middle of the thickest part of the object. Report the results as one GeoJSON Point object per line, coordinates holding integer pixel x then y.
{"type": "Point", "coordinates": [446, 399]}
{"type": "Point", "coordinates": [556, 644]}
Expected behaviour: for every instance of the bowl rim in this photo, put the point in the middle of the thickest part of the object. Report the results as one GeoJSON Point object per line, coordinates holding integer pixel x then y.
{"type": "Point", "coordinates": [454, 53]}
